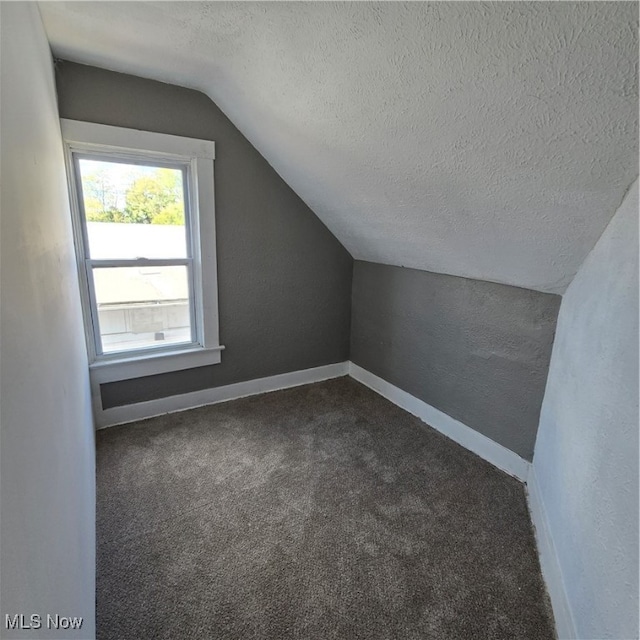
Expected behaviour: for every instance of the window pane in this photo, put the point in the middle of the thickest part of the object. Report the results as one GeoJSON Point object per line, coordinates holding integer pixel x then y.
{"type": "Point", "coordinates": [133, 211]}
{"type": "Point", "coordinates": [142, 307]}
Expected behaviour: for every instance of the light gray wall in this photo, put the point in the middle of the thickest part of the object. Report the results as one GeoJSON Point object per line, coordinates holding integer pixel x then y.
{"type": "Point", "coordinates": [586, 455]}
{"type": "Point", "coordinates": [47, 454]}
{"type": "Point", "coordinates": [284, 281]}
{"type": "Point", "coordinates": [476, 350]}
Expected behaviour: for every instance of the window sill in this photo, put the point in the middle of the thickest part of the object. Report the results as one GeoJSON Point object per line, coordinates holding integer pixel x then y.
{"type": "Point", "coordinates": [154, 363]}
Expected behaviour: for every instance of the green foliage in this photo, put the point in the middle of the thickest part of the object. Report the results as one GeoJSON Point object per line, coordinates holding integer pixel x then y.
{"type": "Point", "coordinates": [156, 198]}
{"type": "Point", "coordinates": [150, 199]}
{"type": "Point", "coordinates": [99, 188]}
{"type": "Point", "coordinates": [172, 214]}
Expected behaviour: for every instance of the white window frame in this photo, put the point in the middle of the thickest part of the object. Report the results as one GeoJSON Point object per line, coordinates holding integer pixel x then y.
{"type": "Point", "coordinates": [197, 157]}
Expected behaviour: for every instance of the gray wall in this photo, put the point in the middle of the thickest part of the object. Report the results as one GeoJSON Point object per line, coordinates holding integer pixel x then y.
{"type": "Point", "coordinates": [476, 350]}
{"type": "Point", "coordinates": [284, 281]}
{"type": "Point", "coordinates": [47, 454]}
{"type": "Point", "coordinates": [586, 456]}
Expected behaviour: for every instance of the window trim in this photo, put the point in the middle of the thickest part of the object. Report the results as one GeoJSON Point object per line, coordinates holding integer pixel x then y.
{"type": "Point", "coordinates": [91, 264]}
{"type": "Point", "coordinates": [197, 156]}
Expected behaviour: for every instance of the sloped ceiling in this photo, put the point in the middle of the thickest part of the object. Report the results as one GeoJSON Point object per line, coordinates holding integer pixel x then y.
{"type": "Point", "coordinates": [487, 140]}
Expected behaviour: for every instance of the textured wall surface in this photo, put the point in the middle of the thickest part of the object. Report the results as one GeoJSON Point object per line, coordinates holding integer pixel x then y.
{"type": "Point", "coordinates": [284, 281]}
{"type": "Point", "coordinates": [486, 140]}
{"type": "Point", "coordinates": [476, 350]}
{"type": "Point", "coordinates": [586, 455]}
{"type": "Point", "coordinates": [47, 455]}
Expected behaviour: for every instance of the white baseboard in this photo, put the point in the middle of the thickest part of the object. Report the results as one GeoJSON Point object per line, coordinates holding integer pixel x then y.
{"type": "Point", "coordinates": [487, 449]}
{"type": "Point", "coordinates": [549, 564]}
{"type": "Point", "coordinates": [141, 410]}
{"type": "Point", "coordinates": [469, 438]}
{"type": "Point", "coordinates": [505, 460]}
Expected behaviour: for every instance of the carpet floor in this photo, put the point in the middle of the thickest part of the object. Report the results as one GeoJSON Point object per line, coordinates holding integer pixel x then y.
{"type": "Point", "coordinates": [315, 513]}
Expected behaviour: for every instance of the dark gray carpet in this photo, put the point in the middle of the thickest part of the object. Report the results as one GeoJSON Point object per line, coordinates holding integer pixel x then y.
{"type": "Point", "coordinates": [314, 513]}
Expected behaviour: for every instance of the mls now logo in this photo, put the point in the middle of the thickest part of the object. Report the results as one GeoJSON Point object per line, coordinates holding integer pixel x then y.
{"type": "Point", "coordinates": [34, 621]}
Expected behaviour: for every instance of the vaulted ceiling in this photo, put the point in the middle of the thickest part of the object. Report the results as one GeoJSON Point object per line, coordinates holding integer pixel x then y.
{"type": "Point", "coordinates": [486, 140]}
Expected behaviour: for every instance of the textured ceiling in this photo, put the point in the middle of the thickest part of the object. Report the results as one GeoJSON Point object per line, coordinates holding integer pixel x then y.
{"type": "Point", "coordinates": [487, 140]}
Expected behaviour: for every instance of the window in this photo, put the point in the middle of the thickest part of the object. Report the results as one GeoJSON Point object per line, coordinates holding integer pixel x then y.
{"type": "Point", "coordinates": [144, 228]}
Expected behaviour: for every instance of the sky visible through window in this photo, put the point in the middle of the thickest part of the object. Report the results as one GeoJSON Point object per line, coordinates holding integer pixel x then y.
{"type": "Point", "coordinates": [131, 193]}
{"type": "Point", "coordinates": [117, 177]}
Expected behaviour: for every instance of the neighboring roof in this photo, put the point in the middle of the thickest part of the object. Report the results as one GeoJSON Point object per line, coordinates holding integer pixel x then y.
{"type": "Point", "coordinates": [126, 285]}
{"type": "Point", "coordinates": [486, 140]}
{"type": "Point", "coordinates": [126, 241]}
